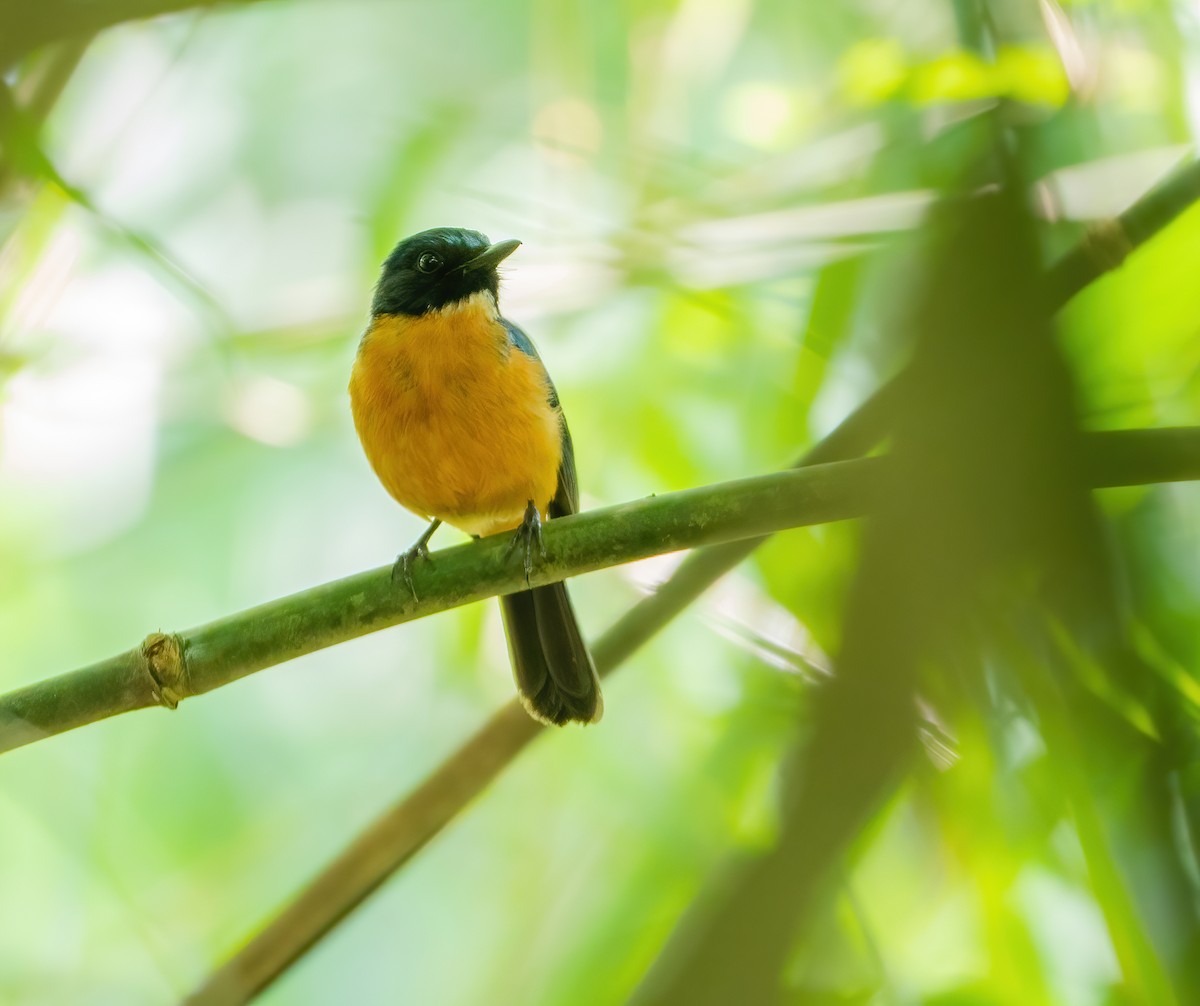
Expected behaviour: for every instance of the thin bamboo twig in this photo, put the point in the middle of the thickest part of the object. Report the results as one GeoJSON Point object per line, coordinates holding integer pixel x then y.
{"type": "Point", "coordinates": [26, 27]}
{"type": "Point", "coordinates": [1124, 457]}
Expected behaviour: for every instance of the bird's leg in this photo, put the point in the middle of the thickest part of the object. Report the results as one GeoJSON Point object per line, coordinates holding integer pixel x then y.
{"type": "Point", "coordinates": [527, 534]}
{"type": "Point", "coordinates": [402, 570]}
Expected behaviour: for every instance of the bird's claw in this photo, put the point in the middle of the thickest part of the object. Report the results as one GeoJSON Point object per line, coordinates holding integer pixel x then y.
{"type": "Point", "coordinates": [528, 533]}
{"type": "Point", "coordinates": [403, 566]}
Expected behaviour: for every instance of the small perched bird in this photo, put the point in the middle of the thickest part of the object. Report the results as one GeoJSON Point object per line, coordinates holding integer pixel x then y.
{"type": "Point", "coordinates": [462, 425]}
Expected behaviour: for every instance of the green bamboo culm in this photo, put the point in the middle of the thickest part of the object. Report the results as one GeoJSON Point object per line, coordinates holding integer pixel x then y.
{"type": "Point", "coordinates": [169, 667]}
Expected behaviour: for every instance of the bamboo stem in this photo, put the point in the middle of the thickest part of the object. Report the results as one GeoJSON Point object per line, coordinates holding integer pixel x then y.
{"type": "Point", "coordinates": [168, 668]}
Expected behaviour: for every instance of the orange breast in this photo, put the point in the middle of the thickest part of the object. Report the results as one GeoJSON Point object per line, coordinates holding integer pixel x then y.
{"type": "Point", "coordinates": [455, 421]}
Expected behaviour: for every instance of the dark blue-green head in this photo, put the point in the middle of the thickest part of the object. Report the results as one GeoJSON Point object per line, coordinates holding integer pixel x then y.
{"type": "Point", "coordinates": [437, 267]}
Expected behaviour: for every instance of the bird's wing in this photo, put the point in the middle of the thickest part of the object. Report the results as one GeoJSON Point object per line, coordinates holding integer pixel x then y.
{"type": "Point", "coordinates": [566, 495]}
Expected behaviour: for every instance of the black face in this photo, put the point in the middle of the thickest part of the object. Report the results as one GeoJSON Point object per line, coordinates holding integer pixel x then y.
{"type": "Point", "coordinates": [438, 267]}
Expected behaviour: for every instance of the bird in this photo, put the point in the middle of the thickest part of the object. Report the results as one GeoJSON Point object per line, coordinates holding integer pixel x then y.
{"type": "Point", "coordinates": [462, 425]}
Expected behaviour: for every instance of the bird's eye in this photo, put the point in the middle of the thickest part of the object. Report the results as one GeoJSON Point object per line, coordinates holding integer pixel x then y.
{"type": "Point", "coordinates": [429, 262]}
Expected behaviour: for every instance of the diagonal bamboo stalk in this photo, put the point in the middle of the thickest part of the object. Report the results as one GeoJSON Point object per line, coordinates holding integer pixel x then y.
{"type": "Point", "coordinates": [1103, 250]}
{"type": "Point", "coordinates": [1128, 457]}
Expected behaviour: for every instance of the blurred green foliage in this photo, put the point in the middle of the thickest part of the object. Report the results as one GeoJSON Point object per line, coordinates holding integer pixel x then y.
{"type": "Point", "coordinates": [720, 202]}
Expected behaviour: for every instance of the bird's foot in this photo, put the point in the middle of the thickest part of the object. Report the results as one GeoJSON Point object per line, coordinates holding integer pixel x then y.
{"type": "Point", "coordinates": [402, 569]}
{"type": "Point", "coordinates": [527, 535]}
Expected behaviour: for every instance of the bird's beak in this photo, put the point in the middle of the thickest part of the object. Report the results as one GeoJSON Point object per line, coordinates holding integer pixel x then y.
{"type": "Point", "coordinates": [492, 256]}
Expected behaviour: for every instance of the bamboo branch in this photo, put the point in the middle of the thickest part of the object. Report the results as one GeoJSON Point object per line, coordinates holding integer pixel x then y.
{"type": "Point", "coordinates": [168, 668]}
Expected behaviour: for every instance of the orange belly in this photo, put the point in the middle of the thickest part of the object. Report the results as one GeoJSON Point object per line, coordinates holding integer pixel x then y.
{"type": "Point", "coordinates": [456, 422]}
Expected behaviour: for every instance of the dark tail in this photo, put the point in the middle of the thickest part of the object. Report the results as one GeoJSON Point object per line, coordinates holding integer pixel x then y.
{"type": "Point", "coordinates": [555, 675]}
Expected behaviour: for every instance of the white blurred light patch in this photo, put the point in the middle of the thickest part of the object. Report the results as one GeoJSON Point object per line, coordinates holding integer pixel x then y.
{"type": "Point", "coordinates": [270, 411]}
{"type": "Point", "coordinates": [698, 270]}
{"type": "Point", "coordinates": [78, 429]}
{"type": "Point", "coordinates": [120, 71]}
{"type": "Point", "coordinates": [702, 38]}
{"type": "Point", "coordinates": [568, 127]}
{"type": "Point", "coordinates": [763, 115]}
{"type": "Point", "coordinates": [758, 246]}
{"type": "Point", "coordinates": [1106, 186]}
{"type": "Point", "coordinates": [145, 126]}
{"type": "Point", "coordinates": [120, 311]}
{"type": "Point", "coordinates": [1079, 68]}
{"type": "Point", "coordinates": [894, 211]}
{"type": "Point", "coordinates": [820, 161]}
{"type": "Point", "coordinates": [303, 274]}
{"type": "Point", "coordinates": [695, 49]}
{"type": "Point", "coordinates": [77, 448]}
{"type": "Point", "coordinates": [557, 278]}
{"type": "Point", "coordinates": [37, 293]}
{"type": "Point", "coordinates": [738, 610]}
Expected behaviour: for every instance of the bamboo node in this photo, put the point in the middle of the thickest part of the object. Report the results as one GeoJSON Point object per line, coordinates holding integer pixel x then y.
{"type": "Point", "coordinates": [165, 664]}
{"type": "Point", "coordinates": [1108, 244]}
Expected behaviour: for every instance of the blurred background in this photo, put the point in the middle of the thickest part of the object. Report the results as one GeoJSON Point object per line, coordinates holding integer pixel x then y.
{"type": "Point", "coordinates": [719, 202]}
